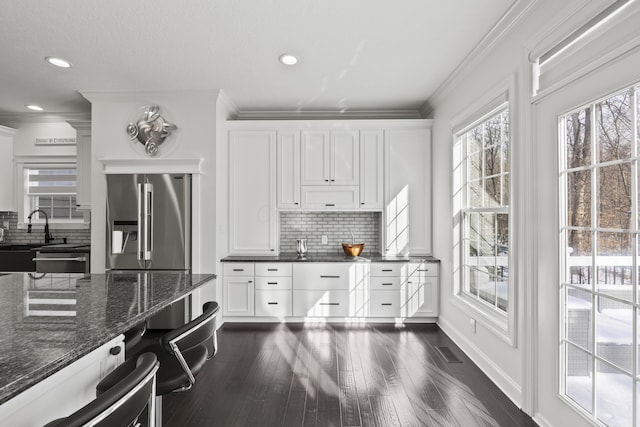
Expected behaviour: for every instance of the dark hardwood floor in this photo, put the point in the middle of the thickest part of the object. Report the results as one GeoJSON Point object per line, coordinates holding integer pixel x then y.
{"type": "Point", "coordinates": [295, 375]}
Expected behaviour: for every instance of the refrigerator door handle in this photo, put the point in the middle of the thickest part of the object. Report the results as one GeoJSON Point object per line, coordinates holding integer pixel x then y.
{"type": "Point", "coordinates": [141, 236]}
{"type": "Point", "coordinates": [147, 213]}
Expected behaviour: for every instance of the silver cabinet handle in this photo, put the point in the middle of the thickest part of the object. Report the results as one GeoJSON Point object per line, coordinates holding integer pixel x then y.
{"type": "Point", "coordinates": [387, 284]}
{"type": "Point", "coordinates": [386, 303]}
{"type": "Point", "coordinates": [329, 303]}
{"type": "Point", "coordinates": [329, 204]}
{"type": "Point", "coordinates": [272, 269]}
{"type": "Point", "coordinates": [329, 277]}
{"type": "Point", "coordinates": [272, 303]}
{"type": "Point", "coordinates": [238, 269]}
{"type": "Point", "coordinates": [78, 259]}
{"type": "Point", "coordinates": [272, 283]}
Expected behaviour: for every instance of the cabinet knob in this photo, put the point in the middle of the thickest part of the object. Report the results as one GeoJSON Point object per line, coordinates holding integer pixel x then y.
{"type": "Point", "coordinates": [296, 203]}
{"type": "Point", "coordinates": [333, 180]}
{"type": "Point", "coordinates": [326, 180]}
{"type": "Point", "coordinates": [114, 351]}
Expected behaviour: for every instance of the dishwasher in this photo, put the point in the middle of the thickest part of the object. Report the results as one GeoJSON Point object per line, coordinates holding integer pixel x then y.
{"type": "Point", "coordinates": [63, 258]}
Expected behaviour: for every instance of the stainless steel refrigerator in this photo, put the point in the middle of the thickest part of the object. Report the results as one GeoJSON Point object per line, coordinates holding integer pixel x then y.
{"type": "Point", "coordinates": [149, 222]}
{"type": "Point", "coordinates": [149, 228]}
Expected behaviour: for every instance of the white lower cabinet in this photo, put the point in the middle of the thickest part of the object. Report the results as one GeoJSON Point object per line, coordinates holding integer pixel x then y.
{"type": "Point", "coordinates": [273, 290]}
{"type": "Point", "coordinates": [273, 303]}
{"type": "Point", "coordinates": [385, 290]}
{"type": "Point", "coordinates": [65, 391]}
{"type": "Point", "coordinates": [238, 289]}
{"type": "Point", "coordinates": [321, 303]}
{"type": "Point", "coordinates": [384, 304]}
{"type": "Point", "coordinates": [420, 297]}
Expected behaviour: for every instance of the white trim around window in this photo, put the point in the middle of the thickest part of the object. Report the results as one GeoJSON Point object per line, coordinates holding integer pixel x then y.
{"type": "Point", "coordinates": [502, 323]}
{"type": "Point", "coordinates": [25, 162]}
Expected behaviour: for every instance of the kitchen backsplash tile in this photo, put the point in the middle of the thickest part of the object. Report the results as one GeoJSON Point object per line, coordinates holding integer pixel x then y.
{"type": "Point", "coordinates": [19, 236]}
{"type": "Point", "coordinates": [337, 226]}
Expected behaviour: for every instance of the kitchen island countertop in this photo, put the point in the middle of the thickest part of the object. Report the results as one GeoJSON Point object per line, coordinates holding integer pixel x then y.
{"type": "Point", "coordinates": [329, 257]}
{"type": "Point", "coordinates": [41, 335]}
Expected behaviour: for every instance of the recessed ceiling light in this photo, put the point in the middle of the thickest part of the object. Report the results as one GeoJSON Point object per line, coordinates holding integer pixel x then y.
{"type": "Point", "coordinates": [288, 59]}
{"type": "Point", "coordinates": [34, 107]}
{"type": "Point", "coordinates": [58, 62]}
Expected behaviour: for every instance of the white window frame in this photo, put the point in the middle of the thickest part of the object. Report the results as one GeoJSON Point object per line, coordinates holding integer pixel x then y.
{"type": "Point", "coordinates": [25, 162]}
{"type": "Point", "coordinates": [501, 324]}
{"type": "Point", "coordinates": [593, 287]}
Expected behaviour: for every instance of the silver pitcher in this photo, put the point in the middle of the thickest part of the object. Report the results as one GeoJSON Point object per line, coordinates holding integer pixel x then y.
{"type": "Point", "coordinates": [302, 247]}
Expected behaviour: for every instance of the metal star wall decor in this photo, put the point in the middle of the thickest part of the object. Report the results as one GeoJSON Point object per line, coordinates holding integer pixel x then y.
{"type": "Point", "coordinates": [151, 130]}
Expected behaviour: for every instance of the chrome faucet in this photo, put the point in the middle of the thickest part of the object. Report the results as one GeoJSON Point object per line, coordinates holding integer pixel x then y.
{"type": "Point", "coordinates": [47, 236]}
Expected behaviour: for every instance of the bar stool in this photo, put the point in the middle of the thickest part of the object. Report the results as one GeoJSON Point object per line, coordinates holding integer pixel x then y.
{"type": "Point", "coordinates": [121, 404]}
{"type": "Point", "coordinates": [182, 352]}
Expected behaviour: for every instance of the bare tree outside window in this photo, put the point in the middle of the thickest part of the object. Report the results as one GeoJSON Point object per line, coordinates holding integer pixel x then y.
{"type": "Point", "coordinates": [600, 234]}
{"type": "Point", "coordinates": [486, 211]}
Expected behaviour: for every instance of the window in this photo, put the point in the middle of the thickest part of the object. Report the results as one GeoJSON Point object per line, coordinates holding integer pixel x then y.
{"type": "Point", "coordinates": [485, 215]}
{"type": "Point", "coordinates": [482, 258]}
{"type": "Point", "coordinates": [49, 188]}
{"type": "Point", "coordinates": [600, 231]}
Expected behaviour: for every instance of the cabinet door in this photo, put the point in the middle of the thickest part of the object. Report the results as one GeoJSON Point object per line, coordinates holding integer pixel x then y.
{"type": "Point", "coordinates": [408, 191]}
{"type": "Point", "coordinates": [315, 158]}
{"type": "Point", "coordinates": [288, 169]}
{"type": "Point", "coordinates": [371, 169]}
{"type": "Point", "coordinates": [420, 296]}
{"type": "Point", "coordinates": [6, 169]}
{"type": "Point", "coordinates": [238, 296]}
{"type": "Point", "coordinates": [83, 163]}
{"type": "Point", "coordinates": [345, 154]}
{"type": "Point", "coordinates": [252, 198]}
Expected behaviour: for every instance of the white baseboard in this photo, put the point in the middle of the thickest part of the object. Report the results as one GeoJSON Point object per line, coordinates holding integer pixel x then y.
{"type": "Point", "coordinates": [486, 365]}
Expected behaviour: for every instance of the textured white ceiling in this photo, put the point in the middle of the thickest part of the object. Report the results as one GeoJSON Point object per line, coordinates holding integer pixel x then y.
{"type": "Point", "coordinates": [354, 54]}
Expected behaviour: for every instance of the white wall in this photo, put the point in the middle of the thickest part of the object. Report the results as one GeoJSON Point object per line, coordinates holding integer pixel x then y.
{"type": "Point", "coordinates": [24, 141]}
{"type": "Point", "coordinates": [528, 370]}
{"type": "Point", "coordinates": [195, 114]}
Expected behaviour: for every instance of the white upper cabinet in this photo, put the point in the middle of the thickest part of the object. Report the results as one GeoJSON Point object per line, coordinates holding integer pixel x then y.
{"type": "Point", "coordinates": [288, 169]}
{"type": "Point", "coordinates": [315, 166]}
{"type": "Point", "coordinates": [329, 157]}
{"type": "Point", "coordinates": [83, 163]}
{"type": "Point", "coordinates": [252, 193]}
{"type": "Point", "coordinates": [345, 155]}
{"type": "Point", "coordinates": [371, 169]}
{"type": "Point", "coordinates": [407, 208]}
{"type": "Point", "coordinates": [6, 169]}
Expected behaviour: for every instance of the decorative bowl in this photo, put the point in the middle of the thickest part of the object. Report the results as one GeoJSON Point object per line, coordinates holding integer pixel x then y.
{"type": "Point", "coordinates": [352, 249]}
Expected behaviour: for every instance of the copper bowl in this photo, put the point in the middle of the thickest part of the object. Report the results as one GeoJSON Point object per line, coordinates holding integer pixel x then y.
{"type": "Point", "coordinates": [354, 249]}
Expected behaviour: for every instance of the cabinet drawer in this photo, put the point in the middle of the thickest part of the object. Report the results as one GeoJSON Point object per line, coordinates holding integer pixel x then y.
{"type": "Point", "coordinates": [384, 283]}
{"type": "Point", "coordinates": [324, 276]}
{"type": "Point", "coordinates": [428, 269]}
{"type": "Point", "coordinates": [273, 283]}
{"type": "Point", "coordinates": [273, 269]}
{"type": "Point", "coordinates": [330, 197]}
{"type": "Point", "coordinates": [384, 304]}
{"type": "Point", "coordinates": [273, 303]}
{"type": "Point", "coordinates": [386, 268]}
{"type": "Point", "coordinates": [238, 269]}
{"type": "Point", "coordinates": [321, 303]}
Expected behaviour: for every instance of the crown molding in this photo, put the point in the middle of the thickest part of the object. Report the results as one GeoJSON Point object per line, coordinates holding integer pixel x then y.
{"type": "Point", "coordinates": [16, 119]}
{"type": "Point", "coordinates": [328, 114]}
{"type": "Point", "coordinates": [126, 95]}
{"type": "Point", "coordinates": [518, 10]}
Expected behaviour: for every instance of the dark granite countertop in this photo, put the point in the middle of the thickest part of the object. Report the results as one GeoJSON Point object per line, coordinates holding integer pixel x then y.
{"type": "Point", "coordinates": [329, 257]}
{"type": "Point", "coordinates": [35, 345]}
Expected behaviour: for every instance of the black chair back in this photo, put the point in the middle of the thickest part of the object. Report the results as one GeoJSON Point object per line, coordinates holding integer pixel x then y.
{"type": "Point", "coordinates": [121, 404]}
{"type": "Point", "coordinates": [198, 332]}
